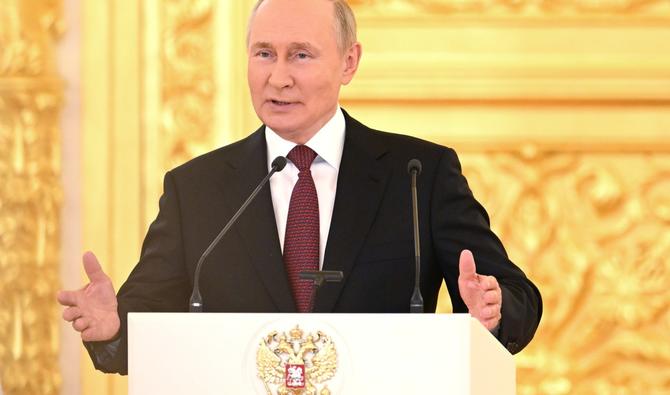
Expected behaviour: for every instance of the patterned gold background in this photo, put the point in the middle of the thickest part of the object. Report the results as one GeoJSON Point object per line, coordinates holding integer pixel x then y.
{"type": "Point", "coordinates": [560, 111]}
{"type": "Point", "coordinates": [30, 196]}
{"type": "Point", "coordinates": [594, 235]}
{"type": "Point", "coordinates": [187, 82]}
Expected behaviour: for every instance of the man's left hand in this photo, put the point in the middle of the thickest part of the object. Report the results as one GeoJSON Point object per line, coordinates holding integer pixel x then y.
{"type": "Point", "coordinates": [481, 294]}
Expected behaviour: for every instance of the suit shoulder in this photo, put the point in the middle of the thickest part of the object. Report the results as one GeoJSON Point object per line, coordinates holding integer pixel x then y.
{"type": "Point", "coordinates": [393, 139]}
{"type": "Point", "coordinates": [410, 145]}
{"type": "Point", "coordinates": [226, 156]}
{"type": "Point", "coordinates": [398, 139]}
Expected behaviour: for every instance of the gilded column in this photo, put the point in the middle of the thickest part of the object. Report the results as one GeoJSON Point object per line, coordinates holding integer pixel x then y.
{"type": "Point", "coordinates": [30, 195]}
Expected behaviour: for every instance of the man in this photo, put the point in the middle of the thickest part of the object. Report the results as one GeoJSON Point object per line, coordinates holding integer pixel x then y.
{"type": "Point", "coordinates": [342, 203]}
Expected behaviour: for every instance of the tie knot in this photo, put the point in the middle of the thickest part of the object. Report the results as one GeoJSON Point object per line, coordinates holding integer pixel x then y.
{"type": "Point", "coordinates": [302, 157]}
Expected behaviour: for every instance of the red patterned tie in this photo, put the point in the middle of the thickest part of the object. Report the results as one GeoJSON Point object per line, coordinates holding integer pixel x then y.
{"type": "Point", "coordinates": [301, 242]}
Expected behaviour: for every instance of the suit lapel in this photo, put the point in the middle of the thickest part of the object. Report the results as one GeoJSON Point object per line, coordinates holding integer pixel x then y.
{"type": "Point", "coordinates": [360, 187]}
{"type": "Point", "coordinates": [257, 226]}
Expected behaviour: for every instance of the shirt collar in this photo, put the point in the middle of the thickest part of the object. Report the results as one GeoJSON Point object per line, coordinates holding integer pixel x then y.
{"type": "Point", "coordinates": [328, 142]}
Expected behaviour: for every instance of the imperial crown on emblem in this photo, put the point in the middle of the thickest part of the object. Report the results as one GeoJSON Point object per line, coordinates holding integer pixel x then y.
{"type": "Point", "coordinates": [295, 363]}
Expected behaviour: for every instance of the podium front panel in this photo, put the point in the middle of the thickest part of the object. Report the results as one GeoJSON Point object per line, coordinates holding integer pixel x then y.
{"type": "Point", "coordinates": [224, 353]}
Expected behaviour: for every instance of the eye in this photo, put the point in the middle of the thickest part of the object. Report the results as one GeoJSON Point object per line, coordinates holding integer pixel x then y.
{"type": "Point", "coordinates": [302, 55]}
{"type": "Point", "coordinates": [263, 53]}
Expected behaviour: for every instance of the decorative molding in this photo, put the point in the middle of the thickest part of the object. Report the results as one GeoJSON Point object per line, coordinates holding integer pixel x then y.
{"type": "Point", "coordinates": [512, 76]}
{"type": "Point", "coordinates": [31, 96]}
{"type": "Point", "coordinates": [525, 127]}
{"type": "Point", "coordinates": [512, 7]}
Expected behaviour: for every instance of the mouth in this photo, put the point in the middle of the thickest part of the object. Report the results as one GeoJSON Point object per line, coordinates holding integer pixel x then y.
{"type": "Point", "coordinates": [280, 103]}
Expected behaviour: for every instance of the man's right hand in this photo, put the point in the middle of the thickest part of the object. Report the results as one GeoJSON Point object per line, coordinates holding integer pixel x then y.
{"type": "Point", "coordinates": [92, 310]}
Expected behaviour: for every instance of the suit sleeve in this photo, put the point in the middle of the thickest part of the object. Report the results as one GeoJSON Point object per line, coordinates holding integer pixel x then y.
{"type": "Point", "coordinates": [159, 282]}
{"type": "Point", "coordinates": [459, 222]}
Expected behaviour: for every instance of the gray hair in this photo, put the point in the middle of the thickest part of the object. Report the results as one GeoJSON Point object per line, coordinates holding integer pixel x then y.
{"type": "Point", "coordinates": [345, 23]}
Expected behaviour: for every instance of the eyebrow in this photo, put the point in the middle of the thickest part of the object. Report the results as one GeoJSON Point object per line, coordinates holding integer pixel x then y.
{"type": "Point", "coordinates": [261, 45]}
{"type": "Point", "coordinates": [302, 45]}
{"type": "Point", "coordinates": [292, 46]}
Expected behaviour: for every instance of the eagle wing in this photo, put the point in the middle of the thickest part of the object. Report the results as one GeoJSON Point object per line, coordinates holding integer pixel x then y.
{"type": "Point", "coordinates": [324, 363]}
{"type": "Point", "coordinates": [269, 365]}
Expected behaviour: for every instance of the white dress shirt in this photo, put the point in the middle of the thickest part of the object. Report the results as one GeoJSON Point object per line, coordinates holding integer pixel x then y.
{"type": "Point", "coordinates": [328, 143]}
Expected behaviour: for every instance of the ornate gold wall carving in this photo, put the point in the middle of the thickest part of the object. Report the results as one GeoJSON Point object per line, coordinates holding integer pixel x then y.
{"type": "Point", "coordinates": [187, 102]}
{"type": "Point", "coordinates": [589, 224]}
{"type": "Point", "coordinates": [30, 196]}
{"type": "Point", "coordinates": [593, 230]}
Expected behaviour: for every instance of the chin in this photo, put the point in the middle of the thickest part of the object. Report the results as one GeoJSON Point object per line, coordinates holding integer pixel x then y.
{"type": "Point", "coordinates": [282, 124]}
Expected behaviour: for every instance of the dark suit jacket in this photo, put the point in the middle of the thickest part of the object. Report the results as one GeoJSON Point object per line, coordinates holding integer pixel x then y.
{"type": "Point", "coordinates": [370, 238]}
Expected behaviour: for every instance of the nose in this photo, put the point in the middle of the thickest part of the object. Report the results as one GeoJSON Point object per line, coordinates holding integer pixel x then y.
{"type": "Point", "coordinates": [280, 76]}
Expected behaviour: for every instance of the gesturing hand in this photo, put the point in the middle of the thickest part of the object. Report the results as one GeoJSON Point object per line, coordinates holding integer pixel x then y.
{"type": "Point", "coordinates": [481, 294]}
{"type": "Point", "coordinates": [93, 308]}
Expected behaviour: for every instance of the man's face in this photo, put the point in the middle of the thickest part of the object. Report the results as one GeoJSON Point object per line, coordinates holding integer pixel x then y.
{"type": "Point", "coordinates": [295, 68]}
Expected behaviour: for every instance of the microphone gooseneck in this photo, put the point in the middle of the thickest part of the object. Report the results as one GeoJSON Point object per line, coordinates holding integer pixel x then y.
{"type": "Point", "coordinates": [195, 303]}
{"type": "Point", "coordinates": [416, 302]}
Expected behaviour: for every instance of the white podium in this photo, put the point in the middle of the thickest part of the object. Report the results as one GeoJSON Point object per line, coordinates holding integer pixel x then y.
{"type": "Point", "coordinates": [221, 353]}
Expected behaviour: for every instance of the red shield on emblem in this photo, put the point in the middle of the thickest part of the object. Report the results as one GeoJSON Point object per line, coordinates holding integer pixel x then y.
{"type": "Point", "coordinates": [295, 376]}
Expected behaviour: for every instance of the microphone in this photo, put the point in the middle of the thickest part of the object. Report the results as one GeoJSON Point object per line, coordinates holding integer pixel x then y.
{"type": "Point", "coordinates": [195, 303]}
{"type": "Point", "coordinates": [416, 302]}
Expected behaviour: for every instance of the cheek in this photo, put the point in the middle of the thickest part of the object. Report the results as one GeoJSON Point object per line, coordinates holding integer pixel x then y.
{"type": "Point", "coordinates": [255, 76]}
{"type": "Point", "coordinates": [255, 86]}
{"type": "Point", "coordinates": [324, 86]}
{"type": "Point", "coordinates": [251, 78]}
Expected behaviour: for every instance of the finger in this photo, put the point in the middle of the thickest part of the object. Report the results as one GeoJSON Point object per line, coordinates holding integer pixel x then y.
{"type": "Point", "coordinates": [489, 312]}
{"type": "Point", "coordinates": [92, 268]}
{"type": "Point", "coordinates": [487, 319]}
{"type": "Point", "coordinates": [71, 313]}
{"type": "Point", "coordinates": [466, 267]}
{"type": "Point", "coordinates": [88, 335]}
{"type": "Point", "coordinates": [67, 298]}
{"type": "Point", "coordinates": [475, 284]}
{"type": "Point", "coordinates": [492, 297]}
{"type": "Point", "coordinates": [80, 324]}
{"type": "Point", "coordinates": [491, 323]}
{"type": "Point", "coordinates": [488, 283]}
{"type": "Point", "coordinates": [484, 313]}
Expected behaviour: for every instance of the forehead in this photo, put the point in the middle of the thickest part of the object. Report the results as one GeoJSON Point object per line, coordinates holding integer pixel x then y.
{"type": "Point", "coordinates": [289, 21]}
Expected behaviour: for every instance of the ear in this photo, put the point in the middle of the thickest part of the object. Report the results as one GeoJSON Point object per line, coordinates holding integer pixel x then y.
{"type": "Point", "coordinates": [351, 60]}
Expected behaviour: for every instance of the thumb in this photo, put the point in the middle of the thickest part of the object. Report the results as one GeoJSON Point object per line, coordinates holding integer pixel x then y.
{"type": "Point", "coordinates": [92, 268]}
{"type": "Point", "coordinates": [466, 267]}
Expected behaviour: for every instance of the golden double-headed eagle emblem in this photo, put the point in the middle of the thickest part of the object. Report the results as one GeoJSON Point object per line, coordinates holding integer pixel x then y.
{"type": "Point", "coordinates": [295, 363]}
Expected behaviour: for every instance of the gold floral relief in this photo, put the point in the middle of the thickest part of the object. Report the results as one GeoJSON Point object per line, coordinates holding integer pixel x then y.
{"type": "Point", "coordinates": [30, 196]}
{"type": "Point", "coordinates": [187, 83]}
{"type": "Point", "coordinates": [593, 231]}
